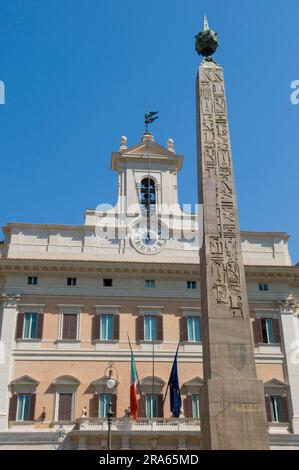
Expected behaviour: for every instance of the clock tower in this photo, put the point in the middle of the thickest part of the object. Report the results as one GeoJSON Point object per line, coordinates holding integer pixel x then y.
{"type": "Point", "coordinates": [147, 218]}
{"type": "Point", "coordinates": [146, 163]}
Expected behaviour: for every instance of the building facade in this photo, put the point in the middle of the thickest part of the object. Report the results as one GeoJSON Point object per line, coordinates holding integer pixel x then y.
{"type": "Point", "coordinates": [72, 295]}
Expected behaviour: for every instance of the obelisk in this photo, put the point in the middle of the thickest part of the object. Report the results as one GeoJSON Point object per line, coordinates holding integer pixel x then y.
{"type": "Point", "coordinates": [232, 402]}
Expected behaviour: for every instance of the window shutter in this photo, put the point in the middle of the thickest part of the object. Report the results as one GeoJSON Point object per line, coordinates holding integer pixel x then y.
{"type": "Point", "coordinates": [32, 407]}
{"type": "Point", "coordinates": [65, 327]}
{"type": "Point", "coordinates": [115, 326]}
{"type": "Point", "coordinates": [140, 328]}
{"type": "Point", "coordinates": [183, 329]}
{"type": "Point", "coordinates": [69, 330]}
{"type": "Point", "coordinates": [94, 406]}
{"type": "Point", "coordinates": [65, 407]}
{"type": "Point", "coordinates": [73, 326]}
{"type": "Point", "coordinates": [188, 407]}
{"type": "Point", "coordinates": [114, 403]}
{"type": "Point", "coordinates": [40, 324]}
{"type": "Point", "coordinates": [285, 410]}
{"type": "Point", "coordinates": [268, 409]}
{"type": "Point", "coordinates": [13, 407]}
{"type": "Point", "coordinates": [141, 410]}
{"type": "Point", "coordinates": [159, 328]}
{"type": "Point", "coordinates": [61, 411]}
{"type": "Point", "coordinates": [160, 405]}
{"type": "Point", "coordinates": [96, 327]}
{"type": "Point", "coordinates": [276, 330]}
{"type": "Point", "coordinates": [68, 408]}
{"type": "Point", "coordinates": [257, 331]}
{"type": "Point", "coordinates": [19, 329]}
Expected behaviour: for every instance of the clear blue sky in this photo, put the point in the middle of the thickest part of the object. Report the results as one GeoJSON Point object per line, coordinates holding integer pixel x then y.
{"type": "Point", "coordinates": [78, 74]}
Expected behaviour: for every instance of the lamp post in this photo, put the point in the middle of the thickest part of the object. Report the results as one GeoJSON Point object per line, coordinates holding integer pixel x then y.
{"type": "Point", "coordinates": [109, 417]}
{"type": "Point", "coordinates": [111, 383]}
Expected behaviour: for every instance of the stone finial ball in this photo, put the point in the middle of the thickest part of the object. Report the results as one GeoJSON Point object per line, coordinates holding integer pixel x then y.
{"type": "Point", "coordinates": [206, 43]}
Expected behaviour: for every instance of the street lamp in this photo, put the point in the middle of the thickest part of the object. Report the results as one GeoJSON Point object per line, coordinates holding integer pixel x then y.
{"type": "Point", "coordinates": [111, 383]}
{"type": "Point", "coordinates": [109, 417]}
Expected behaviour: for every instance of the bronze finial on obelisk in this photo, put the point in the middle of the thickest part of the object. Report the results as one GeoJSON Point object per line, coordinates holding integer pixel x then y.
{"type": "Point", "coordinates": [232, 401]}
{"type": "Point", "coordinates": [206, 41]}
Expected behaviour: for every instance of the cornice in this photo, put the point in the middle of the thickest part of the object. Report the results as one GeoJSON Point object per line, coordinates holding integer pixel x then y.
{"type": "Point", "coordinates": [134, 269]}
{"type": "Point", "coordinates": [124, 355]}
{"type": "Point", "coordinates": [89, 269]}
{"type": "Point", "coordinates": [120, 297]}
{"type": "Point", "coordinates": [251, 233]}
{"type": "Point", "coordinates": [273, 272]}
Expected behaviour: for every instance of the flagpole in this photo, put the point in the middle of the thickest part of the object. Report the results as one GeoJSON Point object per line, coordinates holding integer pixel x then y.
{"type": "Point", "coordinates": [153, 378]}
{"type": "Point", "coordinates": [139, 385]}
{"type": "Point", "coordinates": [177, 349]}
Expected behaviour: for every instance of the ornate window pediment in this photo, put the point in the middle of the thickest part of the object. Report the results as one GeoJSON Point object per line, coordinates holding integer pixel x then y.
{"type": "Point", "coordinates": [192, 386]}
{"type": "Point", "coordinates": [66, 383]}
{"type": "Point", "coordinates": [25, 380]}
{"type": "Point", "coordinates": [148, 385]}
{"type": "Point", "coordinates": [275, 387]}
{"type": "Point", "coordinates": [24, 384]}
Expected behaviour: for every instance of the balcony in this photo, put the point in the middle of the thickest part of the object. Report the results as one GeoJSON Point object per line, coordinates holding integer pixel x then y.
{"type": "Point", "coordinates": [141, 425]}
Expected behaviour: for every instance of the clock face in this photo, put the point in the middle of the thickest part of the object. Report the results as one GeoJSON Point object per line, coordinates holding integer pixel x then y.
{"type": "Point", "coordinates": [147, 240]}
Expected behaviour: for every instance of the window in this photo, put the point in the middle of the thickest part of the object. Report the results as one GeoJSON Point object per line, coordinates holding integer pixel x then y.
{"type": "Point", "coordinates": [106, 327]}
{"type": "Point", "coordinates": [71, 281]}
{"type": "Point", "coordinates": [23, 407]}
{"type": "Point", "coordinates": [69, 326]}
{"type": "Point", "coordinates": [193, 329]}
{"type": "Point", "coordinates": [263, 287]}
{"type": "Point", "coordinates": [104, 401]}
{"type": "Point", "coordinates": [107, 282]}
{"type": "Point", "coordinates": [191, 285]}
{"type": "Point", "coordinates": [276, 409]}
{"type": "Point", "coordinates": [30, 325]}
{"type": "Point", "coordinates": [148, 192]}
{"type": "Point", "coordinates": [65, 406]}
{"type": "Point", "coordinates": [195, 406]}
{"type": "Point", "coordinates": [150, 327]}
{"type": "Point", "coordinates": [267, 330]}
{"type": "Point", "coordinates": [150, 284]}
{"type": "Point", "coordinates": [32, 280]}
{"type": "Point", "coordinates": [151, 405]}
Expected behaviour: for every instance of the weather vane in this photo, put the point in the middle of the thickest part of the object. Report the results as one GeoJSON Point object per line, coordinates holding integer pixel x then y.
{"type": "Point", "coordinates": [150, 117]}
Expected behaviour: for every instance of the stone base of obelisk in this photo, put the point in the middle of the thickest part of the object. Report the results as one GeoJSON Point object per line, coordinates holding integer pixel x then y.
{"type": "Point", "coordinates": [238, 421]}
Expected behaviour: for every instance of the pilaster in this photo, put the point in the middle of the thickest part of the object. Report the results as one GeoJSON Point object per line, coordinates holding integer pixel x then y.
{"type": "Point", "coordinates": [289, 316]}
{"type": "Point", "coordinates": [9, 307]}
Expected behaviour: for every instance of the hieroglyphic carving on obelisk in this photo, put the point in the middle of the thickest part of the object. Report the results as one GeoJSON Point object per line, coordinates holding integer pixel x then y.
{"type": "Point", "coordinates": [232, 401]}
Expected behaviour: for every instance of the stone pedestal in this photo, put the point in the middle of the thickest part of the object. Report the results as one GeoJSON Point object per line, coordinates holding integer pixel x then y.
{"type": "Point", "coordinates": [233, 412]}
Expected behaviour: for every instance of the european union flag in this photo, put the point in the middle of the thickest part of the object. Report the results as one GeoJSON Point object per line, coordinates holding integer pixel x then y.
{"type": "Point", "coordinates": [174, 387]}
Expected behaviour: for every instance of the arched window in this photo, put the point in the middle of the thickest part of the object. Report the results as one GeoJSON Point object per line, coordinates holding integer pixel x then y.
{"type": "Point", "coordinates": [148, 192]}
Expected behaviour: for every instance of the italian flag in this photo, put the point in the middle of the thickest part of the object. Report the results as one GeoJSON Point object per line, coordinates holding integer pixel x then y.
{"type": "Point", "coordinates": [133, 389]}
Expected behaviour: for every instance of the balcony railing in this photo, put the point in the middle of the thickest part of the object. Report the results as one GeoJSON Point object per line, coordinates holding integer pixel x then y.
{"type": "Point", "coordinates": [142, 424]}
